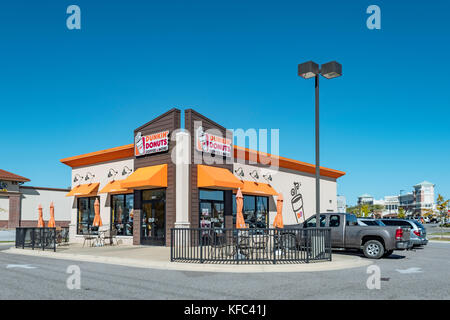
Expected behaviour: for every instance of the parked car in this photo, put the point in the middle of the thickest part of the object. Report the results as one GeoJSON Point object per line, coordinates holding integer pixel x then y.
{"type": "Point", "coordinates": [418, 232]}
{"type": "Point", "coordinates": [370, 222]}
{"type": "Point", "coordinates": [374, 241]}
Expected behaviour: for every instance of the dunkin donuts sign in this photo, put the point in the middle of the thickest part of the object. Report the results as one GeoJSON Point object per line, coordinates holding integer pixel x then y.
{"type": "Point", "coordinates": [153, 143]}
{"type": "Point", "coordinates": [210, 143]}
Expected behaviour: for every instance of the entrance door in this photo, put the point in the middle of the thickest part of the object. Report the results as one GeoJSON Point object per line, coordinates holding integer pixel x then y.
{"type": "Point", "coordinates": [153, 229]}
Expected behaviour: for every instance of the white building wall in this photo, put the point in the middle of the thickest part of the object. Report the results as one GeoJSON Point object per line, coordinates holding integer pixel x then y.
{"type": "Point", "coordinates": [31, 198]}
{"type": "Point", "coordinates": [4, 208]}
{"type": "Point", "coordinates": [283, 182]}
{"type": "Point", "coordinates": [100, 172]}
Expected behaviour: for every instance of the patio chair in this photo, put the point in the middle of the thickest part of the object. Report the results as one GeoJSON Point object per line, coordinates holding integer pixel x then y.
{"type": "Point", "coordinates": [259, 246]}
{"type": "Point", "coordinates": [89, 237]}
{"type": "Point", "coordinates": [221, 247]}
{"type": "Point", "coordinates": [111, 236]}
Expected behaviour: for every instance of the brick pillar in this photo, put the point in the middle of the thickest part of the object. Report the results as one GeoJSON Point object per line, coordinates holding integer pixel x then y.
{"type": "Point", "coordinates": [14, 211]}
{"type": "Point", "coordinates": [137, 217]}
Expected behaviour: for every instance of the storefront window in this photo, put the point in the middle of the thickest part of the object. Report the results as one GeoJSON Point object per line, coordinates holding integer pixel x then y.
{"type": "Point", "coordinates": [122, 214]}
{"type": "Point", "coordinates": [212, 213]}
{"type": "Point", "coordinates": [153, 195]}
{"type": "Point", "coordinates": [211, 195]}
{"type": "Point", "coordinates": [85, 215]}
{"type": "Point", "coordinates": [255, 211]}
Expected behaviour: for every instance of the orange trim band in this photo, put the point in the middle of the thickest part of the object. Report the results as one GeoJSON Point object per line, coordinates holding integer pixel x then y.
{"type": "Point", "coordinates": [246, 154]}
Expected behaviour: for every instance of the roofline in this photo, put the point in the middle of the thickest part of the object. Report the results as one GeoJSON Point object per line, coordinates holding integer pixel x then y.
{"type": "Point", "coordinates": [117, 153]}
{"type": "Point", "coordinates": [127, 151]}
{"type": "Point", "coordinates": [15, 178]}
{"type": "Point", "coordinates": [265, 158]}
{"type": "Point", "coordinates": [44, 188]}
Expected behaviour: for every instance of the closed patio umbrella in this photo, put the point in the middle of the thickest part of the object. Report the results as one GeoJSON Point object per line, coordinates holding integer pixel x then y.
{"type": "Point", "coordinates": [40, 219]}
{"type": "Point", "coordinates": [51, 222]}
{"type": "Point", "coordinates": [97, 220]}
{"type": "Point", "coordinates": [240, 223]}
{"type": "Point", "coordinates": [278, 221]}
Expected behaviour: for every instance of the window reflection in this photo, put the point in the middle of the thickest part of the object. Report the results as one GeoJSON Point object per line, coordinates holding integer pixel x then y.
{"type": "Point", "coordinates": [86, 214]}
{"type": "Point", "coordinates": [255, 211]}
{"type": "Point", "coordinates": [122, 214]}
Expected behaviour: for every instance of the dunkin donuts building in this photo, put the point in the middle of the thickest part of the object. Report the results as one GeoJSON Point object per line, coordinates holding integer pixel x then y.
{"type": "Point", "coordinates": [172, 177]}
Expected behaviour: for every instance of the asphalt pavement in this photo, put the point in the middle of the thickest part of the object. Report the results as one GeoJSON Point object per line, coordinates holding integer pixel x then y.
{"type": "Point", "coordinates": [420, 274]}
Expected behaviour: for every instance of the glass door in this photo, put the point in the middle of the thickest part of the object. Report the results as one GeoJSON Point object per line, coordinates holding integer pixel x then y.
{"type": "Point", "coordinates": [153, 229]}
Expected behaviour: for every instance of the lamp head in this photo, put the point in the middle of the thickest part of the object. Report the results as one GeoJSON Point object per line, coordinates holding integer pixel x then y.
{"type": "Point", "coordinates": [331, 70]}
{"type": "Point", "coordinates": [308, 69]}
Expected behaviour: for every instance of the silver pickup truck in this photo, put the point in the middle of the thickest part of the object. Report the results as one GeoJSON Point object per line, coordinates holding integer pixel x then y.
{"type": "Point", "coordinates": [374, 241]}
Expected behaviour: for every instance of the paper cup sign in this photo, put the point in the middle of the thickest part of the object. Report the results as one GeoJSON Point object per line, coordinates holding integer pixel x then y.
{"type": "Point", "coordinates": [153, 143]}
{"type": "Point", "coordinates": [206, 142]}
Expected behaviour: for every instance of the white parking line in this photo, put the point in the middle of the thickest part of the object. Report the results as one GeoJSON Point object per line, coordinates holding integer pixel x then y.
{"type": "Point", "coordinates": [23, 266]}
{"type": "Point", "coordinates": [410, 270]}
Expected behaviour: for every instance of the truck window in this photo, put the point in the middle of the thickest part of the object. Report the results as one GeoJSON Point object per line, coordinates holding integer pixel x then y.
{"type": "Point", "coordinates": [311, 222]}
{"type": "Point", "coordinates": [351, 220]}
{"type": "Point", "coordinates": [335, 221]}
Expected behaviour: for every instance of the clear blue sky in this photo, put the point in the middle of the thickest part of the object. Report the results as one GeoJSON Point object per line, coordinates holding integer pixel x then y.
{"type": "Point", "coordinates": [385, 122]}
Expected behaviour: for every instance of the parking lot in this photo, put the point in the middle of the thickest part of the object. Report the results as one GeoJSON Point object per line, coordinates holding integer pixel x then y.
{"type": "Point", "coordinates": [420, 274]}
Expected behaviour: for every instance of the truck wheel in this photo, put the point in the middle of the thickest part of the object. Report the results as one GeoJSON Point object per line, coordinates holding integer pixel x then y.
{"type": "Point", "coordinates": [373, 249]}
{"type": "Point", "coordinates": [388, 253]}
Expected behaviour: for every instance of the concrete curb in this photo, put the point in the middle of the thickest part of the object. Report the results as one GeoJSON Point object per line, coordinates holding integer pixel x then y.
{"type": "Point", "coordinates": [438, 241]}
{"type": "Point", "coordinates": [342, 262]}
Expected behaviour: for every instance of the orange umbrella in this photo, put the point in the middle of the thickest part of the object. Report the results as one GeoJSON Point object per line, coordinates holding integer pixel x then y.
{"type": "Point", "coordinates": [97, 220]}
{"type": "Point", "coordinates": [240, 223]}
{"type": "Point", "coordinates": [51, 222]}
{"type": "Point", "coordinates": [278, 221]}
{"type": "Point", "coordinates": [40, 219]}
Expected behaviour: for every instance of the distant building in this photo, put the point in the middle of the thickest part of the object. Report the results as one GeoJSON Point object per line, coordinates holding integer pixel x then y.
{"type": "Point", "coordinates": [424, 197]}
{"type": "Point", "coordinates": [391, 204]}
{"type": "Point", "coordinates": [414, 203]}
{"type": "Point", "coordinates": [19, 204]}
{"type": "Point", "coordinates": [365, 199]}
{"type": "Point", "coordinates": [341, 204]}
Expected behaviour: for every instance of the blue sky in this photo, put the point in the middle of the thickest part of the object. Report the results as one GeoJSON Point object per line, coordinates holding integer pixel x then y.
{"type": "Point", "coordinates": [385, 121]}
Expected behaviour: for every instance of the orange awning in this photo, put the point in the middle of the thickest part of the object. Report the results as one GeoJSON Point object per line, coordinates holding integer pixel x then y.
{"type": "Point", "coordinates": [114, 187]}
{"type": "Point", "coordinates": [216, 178]}
{"type": "Point", "coordinates": [84, 190]}
{"type": "Point", "coordinates": [258, 188]}
{"type": "Point", "coordinates": [154, 176]}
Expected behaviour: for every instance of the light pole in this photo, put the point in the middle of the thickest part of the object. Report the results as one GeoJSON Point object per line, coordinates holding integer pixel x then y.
{"type": "Point", "coordinates": [328, 70]}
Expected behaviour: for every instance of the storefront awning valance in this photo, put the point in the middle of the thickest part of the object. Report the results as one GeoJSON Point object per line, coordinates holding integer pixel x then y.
{"type": "Point", "coordinates": [114, 187]}
{"type": "Point", "coordinates": [258, 189]}
{"type": "Point", "coordinates": [216, 178]}
{"type": "Point", "coordinates": [84, 190]}
{"type": "Point", "coordinates": [154, 176]}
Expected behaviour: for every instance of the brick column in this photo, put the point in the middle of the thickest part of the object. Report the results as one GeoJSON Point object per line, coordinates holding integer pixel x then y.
{"type": "Point", "coordinates": [14, 211]}
{"type": "Point", "coordinates": [137, 217]}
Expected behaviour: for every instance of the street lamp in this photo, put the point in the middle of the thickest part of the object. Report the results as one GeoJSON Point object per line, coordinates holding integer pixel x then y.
{"type": "Point", "coordinates": [309, 70]}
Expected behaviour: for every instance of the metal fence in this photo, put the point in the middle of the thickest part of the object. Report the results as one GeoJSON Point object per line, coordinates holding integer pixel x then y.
{"type": "Point", "coordinates": [250, 246]}
{"type": "Point", "coordinates": [41, 238]}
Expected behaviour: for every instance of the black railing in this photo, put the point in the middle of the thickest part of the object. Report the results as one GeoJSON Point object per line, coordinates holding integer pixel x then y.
{"type": "Point", "coordinates": [249, 246]}
{"type": "Point", "coordinates": [41, 238]}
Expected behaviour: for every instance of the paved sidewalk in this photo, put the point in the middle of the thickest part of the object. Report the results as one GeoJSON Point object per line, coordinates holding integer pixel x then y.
{"type": "Point", "coordinates": [7, 235]}
{"type": "Point", "coordinates": [159, 258]}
